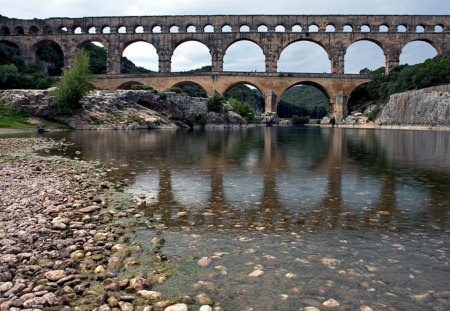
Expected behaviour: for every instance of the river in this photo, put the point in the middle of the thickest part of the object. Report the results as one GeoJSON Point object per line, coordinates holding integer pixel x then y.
{"type": "Point", "coordinates": [292, 217]}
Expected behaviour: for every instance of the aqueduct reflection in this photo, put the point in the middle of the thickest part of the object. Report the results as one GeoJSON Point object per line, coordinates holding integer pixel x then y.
{"type": "Point", "coordinates": [274, 179]}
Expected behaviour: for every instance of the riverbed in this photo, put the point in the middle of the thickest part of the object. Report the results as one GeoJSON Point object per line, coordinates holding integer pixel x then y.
{"type": "Point", "coordinates": [289, 218]}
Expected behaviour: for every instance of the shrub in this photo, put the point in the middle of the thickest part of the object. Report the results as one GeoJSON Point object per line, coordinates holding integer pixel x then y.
{"type": "Point", "coordinates": [243, 109]}
{"type": "Point", "coordinates": [163, 96]}
{"type": "Point", "coordinates": [140, 87]}
{"type": "Point", "coordinates": [74, 84]}
{"type": "Point", "coordinates": [215, 102]}
{"type": "Point", "coordinates": [200, 120]}
{"type": "Point", "coordinates": [296, 120]}
{"type": "Point", "coordinates": [374, 113]}
{"type": "Point", "coordinates": [176, 89]}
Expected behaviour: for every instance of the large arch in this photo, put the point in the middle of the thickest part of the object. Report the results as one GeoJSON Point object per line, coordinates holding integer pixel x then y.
{"type": "Point", "coordinates": [416, 52]}
{"type": "Point", "coordinates": [292, 100]}
{"type": "Point", "coordinates": [304, 56]}
{"type": "Point", "coordinates": [49, 56]}
{"type": "Point", "coordinates": [364, 54]}
{"type": "Point", "coordinates": [190, 55]}
{"type": "Point", "coordinates": [244, 55]}
{"type": "Point", "coordinates": [128, 85]}
{"type": "Point", "coordinates": [139, 56]}
{"type": "Point", "coordinates": [10, 53]}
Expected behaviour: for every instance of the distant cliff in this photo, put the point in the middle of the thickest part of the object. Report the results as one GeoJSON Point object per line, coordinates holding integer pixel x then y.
{"type": "Point", "coordinates": [426, 107]}
{"type": "Point", "coordinates": [123, 109]}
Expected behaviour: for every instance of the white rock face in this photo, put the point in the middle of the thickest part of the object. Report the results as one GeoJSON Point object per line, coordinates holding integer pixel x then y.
{"type": "Point", "coordinates": [426, 107]}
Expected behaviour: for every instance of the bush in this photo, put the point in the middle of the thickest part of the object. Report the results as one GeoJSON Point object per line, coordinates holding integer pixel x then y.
{"type": "Point", "coordinates": [200, 120]}
{"type": "Point", "coordinates": [176, 89]}
{"type": "Point", "coordinates": [215, 102]}
{"type": "Point", "coordinates": [374, 113]}
{"type": "Point", "coordinates": [74, 84]}
{"type": "Point", "coordinates": [140, 87]}
{"type": "Point", "coordinates": [243, 109]}
{"type": "Point", "coordinates": [296, 120]}
{"type": "Point", "coordinates": [163, 96]}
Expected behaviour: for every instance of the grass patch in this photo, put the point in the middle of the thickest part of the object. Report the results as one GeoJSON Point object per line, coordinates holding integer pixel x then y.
{"type": "Point", "coordinates": [12, 118]}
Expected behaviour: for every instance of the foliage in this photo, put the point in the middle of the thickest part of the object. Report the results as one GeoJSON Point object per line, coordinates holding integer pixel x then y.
{"type": "Point", "coordinates": [12, 78]}
{"type": "Point", "coordinates": [97, 58]}
{"type": "Point", "coordinates": [296, 120]}
{"type": "Point", "coordinates": [216, 102]}
{"type": "Point", "coordinates": [9, 54]}
{"type": "Point", "coordinates": [203, 69]}
{"type": "Point", "coordinates": [128, 67]}
{"type": "Point", "coordinates": [163, 96]}
{"type": "Point", "coordinates": [200, 119]}
{"type": "Point", "coordinates": [10, 117]}
{"type": "Point", "coordinates": [374, 113]}
{"type": "Point", "coordinates": [303, 100]}
{"type": "Point", "coordinates": [245, 94]}
{"type": "Point", "coordinates": [74, 84]}
{"type": "Point", "coordinates": [140, 87]}
{"type": "Point", "coordinates": [176, 89]}
{"type": "Point", "coordinates": [403, 78]}
{"type": "Point", "coordinates": [243, 109]}
{"type": "Point", "coordinates": [193, 90]}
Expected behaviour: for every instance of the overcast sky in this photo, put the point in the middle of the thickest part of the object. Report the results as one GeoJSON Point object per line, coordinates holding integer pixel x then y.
{"type": "Point", "coordinates": [300, 57]}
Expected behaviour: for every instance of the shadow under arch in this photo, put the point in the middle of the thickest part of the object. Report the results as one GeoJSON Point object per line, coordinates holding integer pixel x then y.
{"type": "Point", "coordinates": [128, 85]}
{"type": "Point", "coordinates": [359, 97]}
{"type": "Point", "coordinates": [191, 88]}
{"type": "Point", "coordinates": [50, 56]}
{"type": "Point", "coordinates": [313, 93]}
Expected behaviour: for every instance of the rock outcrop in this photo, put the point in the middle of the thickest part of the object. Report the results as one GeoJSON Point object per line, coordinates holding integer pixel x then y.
{"type": "Point", "coordinates": [123, 109]}
{"type": "Point", "coordinates": [427, 107]}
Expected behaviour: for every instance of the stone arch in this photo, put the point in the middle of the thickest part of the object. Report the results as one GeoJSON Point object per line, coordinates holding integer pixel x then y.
{"type": "Point", "coordinates": [191, 88]}
{"type": "Point", "coordinates": [243, 82]}
{"type": "Point", "coordinates": [296, 28]}
{"type": "Point", "coordinates": [313, 28]}
{"type": "Point", "coordinates": [438, 28]}
{"type": "Point", "coordinates": [347, 28]}
{"type": "Point", "coordinates": [156, 29]}
{"type": "Point", "coordinates": [186, 52]}
{"type": "Point", "coordinates": [208, 28]}
{"type": "Point", "coordinates": [18, 30]}
{"type": "Point", "coordinates": [365, 28]}
{"type": "Point", "coordinates": [49, 55]}
{"type": "Point", "coordinates": [244, 28]}
{"type": "Point", "coordinates": [144, 54]}
{"type": "Point", "coordinates": [12, 45]}
{"type": "Point", "coordinates": [191, 28]}
{"type": "Point", "coordinates": [122, 29]}
{"type": "Point", "coordinates": [226, 28]}
{"type": "Point", "coordinates": [317, 85]}
{"type": "Point", "coordinates": [280, 28]}
{"type": "Point", "coordinates": [174, 29]}
{"type": "Point", "coordinates": [420, 28]}
{"type": "Point", "coordinates": [4, 31]}
{"type": "Point", "coordinates": [33, 30]}
{"type": "Point", "coordinates": [292, 55]}
{"type": "Point", "coordinates": [360, 53]}
{"type": "Point", "coordinates": [285, 111]}
{"type": "Point", "coordinates": [263, 28]}
{"type": "Point", "coordinates": [106, 29]}
{"type": "Point", "coordinates": [92, 29]}
{"type": "Point", "coordinates": [139, 29]}
{"type": "Point", "coordinates": [417, 51]}
{"type": "Point", "coordinates": [383, 28]}
{"type": "Point", "coordinates": [359, 92]}
{"type": "Point", "coordinates": [127, 85]}
{"type": "Point", "coordinates": [330, 28]}
{"type": "Point", "coordinates": [402, 28]}
{"type": "Point", "coordinates": [254, 58]}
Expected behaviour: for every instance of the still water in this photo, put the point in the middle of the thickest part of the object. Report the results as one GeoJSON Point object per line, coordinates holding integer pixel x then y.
{"type": "Point", "coordinates": [293, 217]}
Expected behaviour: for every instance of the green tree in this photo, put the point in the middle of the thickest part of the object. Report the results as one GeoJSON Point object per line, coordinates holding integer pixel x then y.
{"type": "Point", "coordinates": [215, 102]}
{"type": "Point", "coordinates": [243, 109]}
{"type": "Point", "coordinates": [74, 84]}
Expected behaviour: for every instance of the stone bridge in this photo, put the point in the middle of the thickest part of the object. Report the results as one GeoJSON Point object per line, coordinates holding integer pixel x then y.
{"type": "Point", "coordinates": [272, 33]}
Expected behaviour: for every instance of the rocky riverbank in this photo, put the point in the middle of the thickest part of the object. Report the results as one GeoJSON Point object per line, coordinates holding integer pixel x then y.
{"type": "Point", "coordinates": [66, 237]}
{"type": "Point", "coordinates": [124, 109]}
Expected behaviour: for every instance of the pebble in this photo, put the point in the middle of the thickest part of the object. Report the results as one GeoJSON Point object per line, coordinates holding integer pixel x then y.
{"type": "Point", "coordinates": [204, 261]}
{"type": "Point", "coordinates": [205, 308]}
{"type": "Point", "coordinates": [331, 303]}
{"type": "Point", "coordinates": [256, 273]}
{"type": "Point", "coordinates": [203, 299]}
{"type": "Point", "coordinates": [55, 275]}
{"type": "Point", "coordinates": [6, 286]}
{"type": "Point", "coordinates": [152, 295]}
{"type": "Point", "coordinates": [177, 307]}
{"type": "Point", "coordinates": [309, 308]}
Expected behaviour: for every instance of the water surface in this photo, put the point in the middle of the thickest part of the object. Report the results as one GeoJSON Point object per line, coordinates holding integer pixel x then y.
{"type": "Point", "coordinates": [359, 216]}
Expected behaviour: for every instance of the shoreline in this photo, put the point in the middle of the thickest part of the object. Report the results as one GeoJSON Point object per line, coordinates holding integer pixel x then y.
{"type": "Point", "coordinates": [67, 235]}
